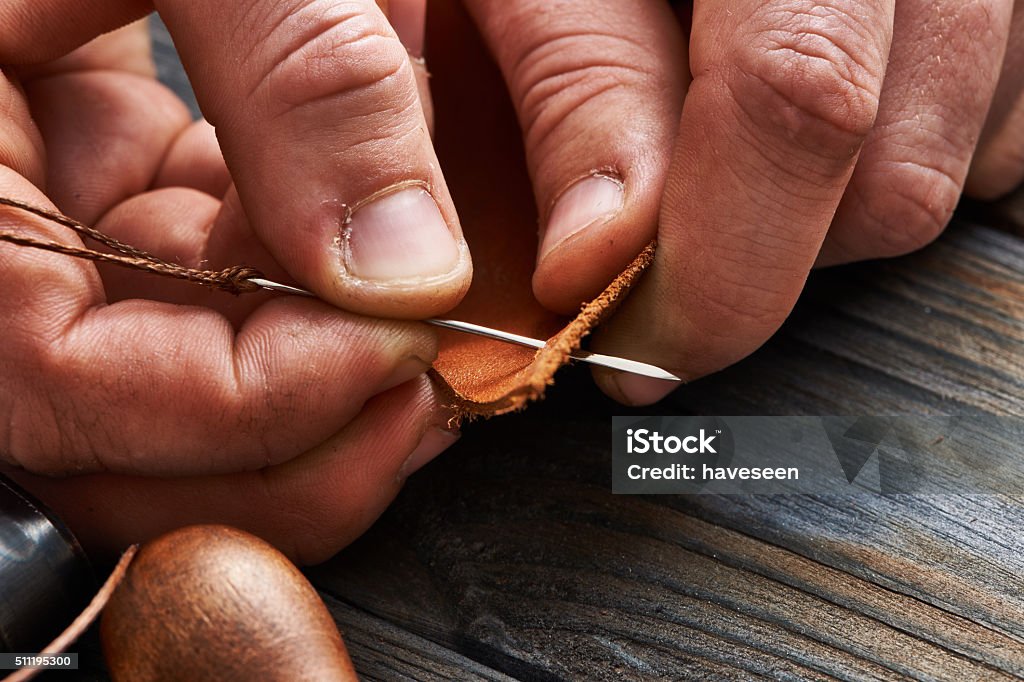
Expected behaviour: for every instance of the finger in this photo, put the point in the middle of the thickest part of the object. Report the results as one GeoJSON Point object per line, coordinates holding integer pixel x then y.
{"type": "Point", "coordinates": [125, 49]}
{"type": "Point", "coordinates": [998, 165]}
{"type": "Point", "coordinates": [21, 144]}
{"type": "Point", "coordinates": [194, 160]}
{"type": "Point", "coordinates": [597, 87]}
{"type": "Point", "coordinates": [309, 507]}
{"type": "Point", "coordinates": [148, 388]}
{"type": "Point", "coordinates": [783, 95]}
{"type": "Point", "coordinates": [106, 135]}
{"type": "Point", "coordinates": [36, 31]}
{"type": "Point", "coordinates": [189, 228]}
{"type": "Point", "coordinates": [173, 224]}
{"type": "Point", "coordinates": [409, 19]}
{"type": "Point", "coordinates": [914, 162]}
{"type": "Point", "coordinates": [316, 108]}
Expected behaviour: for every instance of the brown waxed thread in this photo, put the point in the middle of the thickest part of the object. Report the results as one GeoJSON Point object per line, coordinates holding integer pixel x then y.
{"type": "Point", "coordinates": [235, 279]}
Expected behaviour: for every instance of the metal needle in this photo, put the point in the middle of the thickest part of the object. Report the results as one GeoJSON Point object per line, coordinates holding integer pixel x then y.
{"type": "Point", "coordinates": [621, 364]}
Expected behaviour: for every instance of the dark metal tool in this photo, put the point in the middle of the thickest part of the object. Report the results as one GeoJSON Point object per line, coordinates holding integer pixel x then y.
{"type": "Point", "coordinates": [45, 578]}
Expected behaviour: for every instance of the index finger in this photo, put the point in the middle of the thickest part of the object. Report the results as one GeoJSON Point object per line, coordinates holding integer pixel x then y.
{"type": "Point", "coordinates": [319, 115]}
{"type": "Point", "coordinates": [783, 95]}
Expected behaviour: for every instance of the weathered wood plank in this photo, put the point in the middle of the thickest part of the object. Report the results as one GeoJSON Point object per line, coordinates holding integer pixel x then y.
{"type": "Point", "coordinates": [383, 651]}
{"type": "Point", "coordinates": [549, 566]}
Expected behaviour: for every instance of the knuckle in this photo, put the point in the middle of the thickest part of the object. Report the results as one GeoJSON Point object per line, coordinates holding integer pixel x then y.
{"type": "Point", "coordinates": [263, 419]}
{"type": "Point", "coordinates": [238, 428]}
{"type": "Point", "coordinates": [744, 307]}
{"type": "Point", "coordinates": [84, 436]}
{"type": "Point", "coordinates": [43, 437]}
{"type": "Point", "coordinates": [341, 51]}
{"type": "Point", "coordinates": [46, 436]}
{"type": "Point", "coordinates": [556, 77]}
{"type": "Point", "coordinates": [813, 78]}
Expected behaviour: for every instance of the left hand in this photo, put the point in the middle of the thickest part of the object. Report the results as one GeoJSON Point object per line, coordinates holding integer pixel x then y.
{"type": "Point", "coordinates": [163, 403]}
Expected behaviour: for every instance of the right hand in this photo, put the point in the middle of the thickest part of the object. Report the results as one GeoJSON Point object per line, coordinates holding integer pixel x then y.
{"type": "Point", "coordinates": [812, 133]}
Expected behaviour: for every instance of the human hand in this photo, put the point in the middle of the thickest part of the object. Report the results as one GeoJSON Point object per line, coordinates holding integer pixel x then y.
{"type": "Point", "coordinates": [812, 134]}
{"type": "Point", "coordinates": [167, 403]}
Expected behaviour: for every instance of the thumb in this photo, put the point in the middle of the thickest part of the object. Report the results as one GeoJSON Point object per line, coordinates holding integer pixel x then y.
{"type": "Point", "coordinates": [317, 112]}
{"type": "Point", "coordinates": [598, 87]}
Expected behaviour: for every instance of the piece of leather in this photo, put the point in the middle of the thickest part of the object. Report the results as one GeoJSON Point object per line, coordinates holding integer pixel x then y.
{"type": "Point", "coordinates": [480, 148]}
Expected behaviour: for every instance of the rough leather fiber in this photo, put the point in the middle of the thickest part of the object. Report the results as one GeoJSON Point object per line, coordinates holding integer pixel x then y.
{"type": "Point", "coordinates": [480, 148]}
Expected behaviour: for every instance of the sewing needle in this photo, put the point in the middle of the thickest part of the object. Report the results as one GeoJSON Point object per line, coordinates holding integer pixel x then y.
{"type": "Point", "coordinates": [621, 364]}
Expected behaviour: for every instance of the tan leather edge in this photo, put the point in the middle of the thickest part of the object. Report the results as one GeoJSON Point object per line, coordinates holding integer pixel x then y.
{"type": "Point", "coordinates": [555, 354]}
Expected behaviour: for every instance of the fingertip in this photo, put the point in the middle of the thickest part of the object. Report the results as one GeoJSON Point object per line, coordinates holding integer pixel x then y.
{"type": "Point", "coordinates": [49, 30]}
{"type": "Point", "coordinates": [640, 390]}
{"type": "Point", "coordinates": [127, 49]}
{"type": "Point", "coordinates": [435, 440]}
{"type": "Point", "coordinates": [21, 143]}
{"type": "Point", "coordinates": [106, 134]}
{"type": "Point", "coordinates": [632, 389]}
{"type": "Point", "coordinates": [194, 160]}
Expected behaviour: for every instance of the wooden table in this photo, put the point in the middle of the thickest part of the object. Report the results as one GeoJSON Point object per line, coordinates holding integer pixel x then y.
{"type": "Point", "coordinates": [509, 558]}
